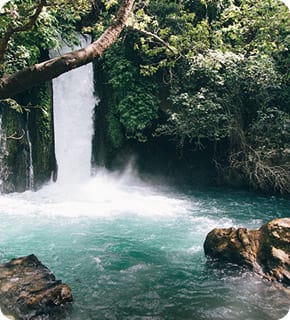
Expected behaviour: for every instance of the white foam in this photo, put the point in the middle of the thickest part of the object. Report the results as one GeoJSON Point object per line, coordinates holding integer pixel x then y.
{"type": "Point", "coordinates": [105, 195]}
{"type": "Point", "coordinates": [2, 317]}
{"type": "Point", "coordinates": [287, 317]}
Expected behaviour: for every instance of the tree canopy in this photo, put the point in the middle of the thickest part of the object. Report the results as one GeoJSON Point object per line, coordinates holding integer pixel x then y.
{"type": "Point", "coordinates": [219, 76]}
{"type": "Point", "coordinates": [41, 23]}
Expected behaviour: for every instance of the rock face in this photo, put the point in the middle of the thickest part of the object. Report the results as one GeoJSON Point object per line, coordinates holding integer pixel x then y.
{"type": "Point", "coordinates": [266, 250]}
{"type": "Point", "coordinates": [29, 290]}
{"type": "Point", "coordinates": [26, 140]}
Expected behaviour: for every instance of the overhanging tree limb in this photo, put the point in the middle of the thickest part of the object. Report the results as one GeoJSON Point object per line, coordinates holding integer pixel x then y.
{"type": "Point", "coordinates": [28, 77]}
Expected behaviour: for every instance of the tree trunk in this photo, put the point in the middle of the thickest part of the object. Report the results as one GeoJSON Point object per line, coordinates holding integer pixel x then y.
{"type": "Point", "coordinates": [28, 77]}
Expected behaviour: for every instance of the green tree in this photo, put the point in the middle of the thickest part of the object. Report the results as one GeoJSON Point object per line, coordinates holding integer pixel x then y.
{"type": "Point", "coordinates": [22, 16]}
{"type": "Point", "coordinates": [197, 72]}
{"type": "Point", "coordinates": [222, 65]}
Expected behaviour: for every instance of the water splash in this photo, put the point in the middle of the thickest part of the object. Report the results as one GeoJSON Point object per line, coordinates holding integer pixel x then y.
{"type": "Point", "coordinates": [76, 192]}
{"type": "Point", "coordinates": [287, 317]}
{"type": "Point", "coordinates": [106, 195]}
{"type": "Point", "coordinates": [3, 317]}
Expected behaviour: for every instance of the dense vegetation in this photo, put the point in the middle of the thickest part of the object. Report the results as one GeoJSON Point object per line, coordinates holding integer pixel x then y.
{"type": "Point", "coordinates": [202, 75]}
{"type": "Point", "coordinates": [208, 74]}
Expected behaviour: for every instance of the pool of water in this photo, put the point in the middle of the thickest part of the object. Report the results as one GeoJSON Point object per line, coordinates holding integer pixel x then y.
{"type": "Point", "coordinates": [130, 250]}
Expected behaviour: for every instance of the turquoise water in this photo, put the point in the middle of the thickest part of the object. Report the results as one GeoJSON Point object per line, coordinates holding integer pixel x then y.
{"type": "Point", "coordinates": [134, 251]}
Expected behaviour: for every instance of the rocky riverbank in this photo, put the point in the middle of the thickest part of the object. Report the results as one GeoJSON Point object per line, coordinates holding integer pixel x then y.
{"type": "Point", "coordinates": [29, 290]}
{"type": "Point", "coordinates": [265, 251]}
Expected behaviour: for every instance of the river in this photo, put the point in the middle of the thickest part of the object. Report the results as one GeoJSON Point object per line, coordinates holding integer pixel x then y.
{"type": "Point", "coordinates": [129, 248]}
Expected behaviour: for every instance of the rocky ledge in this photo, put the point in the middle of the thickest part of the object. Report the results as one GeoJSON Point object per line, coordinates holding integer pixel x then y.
{"type": "Point", "coordinates": [265, 251]}
{"type": "Point", "coordinates": [29, 290]}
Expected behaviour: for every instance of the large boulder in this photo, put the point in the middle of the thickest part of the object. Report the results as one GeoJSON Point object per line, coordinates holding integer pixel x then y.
{"type": "Point", "coordinates": [29, 290]}
{"type": "Point", "coordinates": [266, 250]}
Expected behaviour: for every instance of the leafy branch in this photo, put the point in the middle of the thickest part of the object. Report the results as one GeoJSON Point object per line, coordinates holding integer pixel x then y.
{"type": "Point", "coordinates": [27, 26]}
{"type": "Point", "coordinates": [155, 37]}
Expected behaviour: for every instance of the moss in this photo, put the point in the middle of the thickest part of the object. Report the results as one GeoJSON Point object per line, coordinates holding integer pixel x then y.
{"type": "Point", "coordinates": [40, 123]}
{"type": "Point", "coordinates": [109, 136]}
{"type": "Point", "coordinates": [16, 146]}
{"type": "Point", "coordinates": [114, 132]}
{"type": "Point", "coordinates": [35, 118]}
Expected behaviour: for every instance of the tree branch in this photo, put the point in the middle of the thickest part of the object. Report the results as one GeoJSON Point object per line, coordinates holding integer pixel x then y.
{"type": "Point", "coordinates": [28, 77]}
{"type": "Point", "coordinates": [14, 136]}
{"type": "Point", "coordinates": [157, 38]}
{"type": "Point", "coordinates": [10, 31]}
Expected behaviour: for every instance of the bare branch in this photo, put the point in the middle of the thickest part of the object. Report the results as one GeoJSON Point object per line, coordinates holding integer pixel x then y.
{"type": "Point", "coordinates": [259, 170]}
{"type": "Point", "coordinates": [15, 137]}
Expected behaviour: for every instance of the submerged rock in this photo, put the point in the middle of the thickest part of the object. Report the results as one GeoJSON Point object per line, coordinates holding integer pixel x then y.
{"type": "Point", "coordinates": [266, 250]}
{"type": "Point", "coordinates": [29, 290]}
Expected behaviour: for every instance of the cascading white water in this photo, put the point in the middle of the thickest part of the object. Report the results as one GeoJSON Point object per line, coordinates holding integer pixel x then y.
{"type": "Point", "coordinates": [30, 175]}
{"type": "Point", "coordinates": [76, 192]}
{"type": "Point", "coordinates": [3, 153]}
{"type": "Point", "coordinates": [73, 104]}
{"type": "Point", "coordinates": [4, 170]}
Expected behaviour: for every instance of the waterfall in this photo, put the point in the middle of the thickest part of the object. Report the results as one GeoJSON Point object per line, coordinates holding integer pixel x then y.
{"type": "Point", "coordinates": [73, 104]}
{"type": "Point", "coordinates": [30, 171]}
{"type": "Point", "coordinates": [2, 152]}
{"type": "Point", "coordinates": [4, 171]}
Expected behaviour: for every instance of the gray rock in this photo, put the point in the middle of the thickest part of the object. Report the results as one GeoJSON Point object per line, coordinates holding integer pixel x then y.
{"type": "Point", "coordinates": [29, 290]}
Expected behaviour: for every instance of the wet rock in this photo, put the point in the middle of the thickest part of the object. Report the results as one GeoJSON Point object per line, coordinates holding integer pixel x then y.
{"type": "Point", "coordinates": [29, 290]}
{"type": "Point", "coordinates": [266, 250]}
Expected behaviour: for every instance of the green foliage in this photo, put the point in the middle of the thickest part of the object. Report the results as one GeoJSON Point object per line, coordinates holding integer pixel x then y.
{"type": "Point", "coordinates": [204, 70]}
{"type": "Point", "coordinates": [138, 109]}
{"type": "Point", "coordinates": [271, 129]}
{"type": "Point", "coordinates": [134, 101]}
{"type": "Point", "coordinates": [56, 21]}
{"type": "Point", "coordinates": [14, 105]}
{"type": "Point", "coordinates": [228, 81]}
{"type": "Point", "coordinates": [220, 89]}
{"type": "Point", "coordinates": [40, 128]}
{"type": "Point", "coordinates": [199, 116]}
{"type": "Point", "coordinates": [114, 131]}
{"type": "Point", "coordinates": [253, 27]}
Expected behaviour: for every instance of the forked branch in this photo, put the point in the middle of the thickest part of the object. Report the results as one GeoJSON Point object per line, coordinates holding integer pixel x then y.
{"type": "Point", "coordinates": [12, 30]}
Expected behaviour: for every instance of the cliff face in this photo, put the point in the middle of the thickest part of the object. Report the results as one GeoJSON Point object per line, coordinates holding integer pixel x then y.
{"type": "Point", "coordinates": [26, 141]}
{"type": "Point", "coordinates": [14, 150]}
